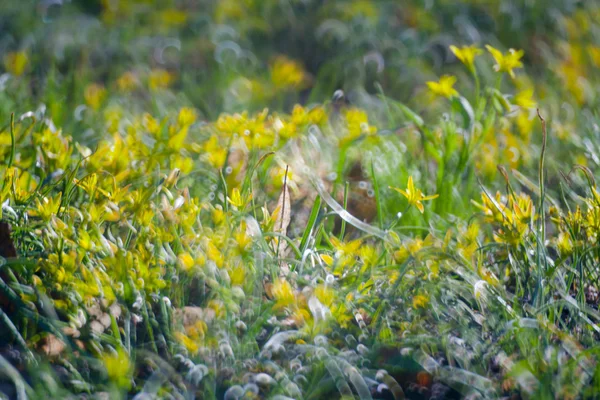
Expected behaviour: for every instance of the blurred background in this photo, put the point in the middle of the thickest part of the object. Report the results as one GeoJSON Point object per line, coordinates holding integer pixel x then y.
{"type": "Point", "coordinates": [231, 55]}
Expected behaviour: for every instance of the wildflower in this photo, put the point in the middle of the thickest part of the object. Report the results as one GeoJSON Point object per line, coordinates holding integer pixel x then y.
{"type": "Point", "coordinates": [506, 62]}
{"type": "Point", "coordinates": [237, 275]}
{"type": "Point", "coordinates": [420, 301]}
{"type": "Point", "coordinates": [46, 207]}
{"type": "Point", "coordinates": [345, 254]}
{"type": "Point", "coordinates": [215, 153]}
{"type": "Point", "coordinates": [357, 122]}
{"type": "Point", "coordinates": [327, 259]}
{"type": "Point", "coordinates": [278, 177]}
{"type": "Point", "coordinates": [414, 195]}
{"type": "Point", "coordinates": [525, 124]}
{"type": "Point", "coordinates": [94, 95]}
{"type": "Point", "coordinates": [325, 294]}
{"type": "Point", "coordinates": [187, 342]}
{"type": "Point", "coordinates": [229, 9]}
{"type": "Point", "coordinates": [412, 248]}
{"type": "Point", "coordinates": [186, 117]}
{"type": "Point", "coordinates": [346, 248]}
{"type": "Point", "coordinates": [523, 208]}
{"type": "Point", "coordinates": [186, 261]}
{"type": "Point", "coordinates": [286, 73]}
{"type": "Point", "coordinates": [493, 208]}
{"type": "Point", "coordinates": [513, 218]}
{"type": "Point", "coordinates": [118, 368]}
{"type": "Point", "coordinates": [218, 215]}
{"type": "Point", "coordinates": [214, 254]}
{"type": "Point", "coordinates": [466, 55]}
{"type": "Point", "coordinates": [159, 79]}
{"type": "Point", "coordinates": [444, 87]}
{"type": "Point", "coordinates": [317, 116]}
{"type": "Point", "coordinates": [564, 244]}
{"type": "Point", "coordinates": [238, 200]}
{"type": "Point", "coordinates": [127, 82]}
{"type": "Point", "coordinates": [524, 99]}
{"type": "Point", "coordinates": [283, 293]}
{"type": "Point", "coordinates": [242, 239]}
{"type": "Point", "coordinates": [255, 131]}
{"type": "Point", "coordinates": [16, 62]}
{"type": "Point", "coordinates": [173, 17]}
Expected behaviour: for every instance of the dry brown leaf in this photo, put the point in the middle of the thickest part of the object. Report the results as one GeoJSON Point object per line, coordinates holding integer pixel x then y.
{"type": "Point", "coordinates": [69, 331]}
{"type": "Point", "coordinates": [52, 346]}
{"type": "Point", "coordinates": [190, 315]}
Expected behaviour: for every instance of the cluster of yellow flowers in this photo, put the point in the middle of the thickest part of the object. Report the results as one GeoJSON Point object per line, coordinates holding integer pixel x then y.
{"type": "Point", "coordinates": [578, 228]}
{"type": "Point", "coordinates": [505, 63]}
{"type": "Point", "coordinates": [512, 215]}
{"type": "Point", "coordinates": [262, 130]}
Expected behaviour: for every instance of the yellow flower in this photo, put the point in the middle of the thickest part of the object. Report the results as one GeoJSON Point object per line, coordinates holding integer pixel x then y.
{"type": "Point", "coordinates": [524, 99]}
{"type": "Point", "coordinates": [186, 261]}
{"type": "Point", "coordinates": [346, 248]}
{"type": "Point", "coordinates": [127, 82]}
{"type": "Point", "coordinates": [188, 343]}
{"type": "Point", "coordinates": [119, 368]}
{"type": "Point", "coordinates": [94, 95]}
{"type": "Point", "coordinates": [317, 116]}
{"type": "Point", "coordinates": [564, 244]}
{"type": "Point", "coordinates": [444, 87]}
{"type": "Point", "coordinates": [466, 55]}
{"type": "Point", "coordinates": [414, 195]}
{"type": "Point", "coordinates": [173, 17]}
{"type": "Point", "coordinates": [237, 275]}
{"type": "Point", "coordinates": [286, 73]}
{"type": "Point", "coordinates": [215, 153]}
{"type": "Point", "coordinates": [214, 254]}
{"type": "Point", "coordinates": [283, 293]}
{"type": "Point", "coordinates": [186, 117]}
{"type": "Point", "coordinates": [229, 9]}
{"type": "Point", "coordinates": [238, 200]}
{"type": "Point", "coordinates": [420, 301]}
{"type": "Point", "coordinates": [327, 259]}
{"type": "Point", "coordinates": [16, 62]}
{"type": "Point", "coordinates": [325, 294]}
{"type": "Point", "coordinates": [506, 62]}
{"type": "Point", "coordinates": [218, 215]}
{"type": "Point", "coordinates": [159, 79]}
{"type": "Point", "coordinates": [357, 122]}
{"type": "Point", "coordinates": [242, 239]}
{"type": "Point", "coordinates": [46, 207]}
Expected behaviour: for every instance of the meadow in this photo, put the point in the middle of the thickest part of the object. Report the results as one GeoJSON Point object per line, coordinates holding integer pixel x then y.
{"type": "Point", "coordinates": [299, 199]}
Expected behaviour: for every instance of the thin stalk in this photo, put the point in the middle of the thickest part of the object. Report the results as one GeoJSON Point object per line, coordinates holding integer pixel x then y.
{"type": "Point", "coordinates": [542, 225]}
{"type": "Point", "coordinates": [343, 229]}
{"type": "Point", "coordinates": [377, 196]}
{"type": "Point", "coordinates": [12, 141]}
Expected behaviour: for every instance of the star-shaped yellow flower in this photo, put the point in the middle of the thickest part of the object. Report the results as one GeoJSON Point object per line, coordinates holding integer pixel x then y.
{"type": "Point", "coordinates": [466, 55]}
{"type": "Point", "coordinates": [506, 62]}
{"type": "Point", "coordinates": [444, 87]}
{"type": "Point", "coordinates": [414, 195]}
